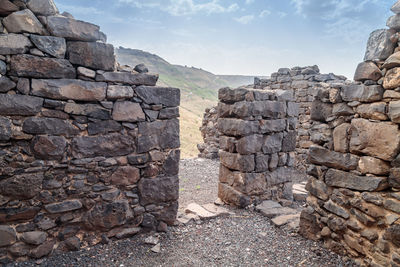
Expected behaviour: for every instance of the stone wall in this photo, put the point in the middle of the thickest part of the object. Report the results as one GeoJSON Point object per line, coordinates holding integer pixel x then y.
{"type": "Point", "coordinates": [89, 149]}
{"type": "Point", "coordinates": [209, 132]}
{"type": "Point", "coordinates": [257, 144]}
{"type": "Point", "coordinates": [305, 82]}
{"type": "Point", "coordinates": [354, 199]}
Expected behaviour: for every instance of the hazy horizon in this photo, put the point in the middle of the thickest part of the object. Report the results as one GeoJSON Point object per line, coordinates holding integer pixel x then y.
{"type": "Point", "coordinates": [240, 37]}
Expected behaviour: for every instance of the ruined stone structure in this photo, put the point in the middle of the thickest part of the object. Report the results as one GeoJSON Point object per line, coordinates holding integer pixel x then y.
{"type": "Point", "coordinates": [89, 151]}
{"type": "Point", "coordinates": [209, 131]}
{"type": "Point", "coordinates": [258, 140]}
{"type": "Point", "coordinates": [354, 198]}
{"type": "Point", "coordinates": [305, 82]}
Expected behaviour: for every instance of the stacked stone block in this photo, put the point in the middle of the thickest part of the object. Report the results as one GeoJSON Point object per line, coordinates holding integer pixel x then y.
{"type": "Point", "coordinates": [257, 143]}
{"type": "Point", "coordinates": [209, 131]}
{"type": "Point", "coordinates": [354, 199]}
{"type": "Point", "coordinates": [305, 82]}
{"type": "Point", "coordinates": [89, 150]}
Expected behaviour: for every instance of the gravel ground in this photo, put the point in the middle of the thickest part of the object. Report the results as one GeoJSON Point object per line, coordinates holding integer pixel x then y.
{"type": "Point", "coordinates": [244, 239]}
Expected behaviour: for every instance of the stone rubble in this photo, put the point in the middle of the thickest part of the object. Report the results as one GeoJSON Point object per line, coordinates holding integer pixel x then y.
{"type": "Point", "coordinates": [89, 152]}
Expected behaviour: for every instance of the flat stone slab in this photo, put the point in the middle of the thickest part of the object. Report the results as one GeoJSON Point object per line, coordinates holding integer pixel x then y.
{"type": "Point", "coordinates": [285, 219]}
{"type": "Point", "coordinates": [200, 211]}
{"type": "Point", "coordinates": [299, 191]}
{"type": "Point", "coordinates": [218, 210]}
{"type": "Point", "coordinates": [272, 209]}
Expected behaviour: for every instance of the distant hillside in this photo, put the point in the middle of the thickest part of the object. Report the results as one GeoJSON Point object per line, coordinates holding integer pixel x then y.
{"type": "Point", "coordinates": [190, 79]}
{"type": "Point", "coordinates": [199, 90]}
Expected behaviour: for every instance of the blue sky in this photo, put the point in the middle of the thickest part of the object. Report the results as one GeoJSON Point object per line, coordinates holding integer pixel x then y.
{"type": "Point", "coordinates": [254, 37]}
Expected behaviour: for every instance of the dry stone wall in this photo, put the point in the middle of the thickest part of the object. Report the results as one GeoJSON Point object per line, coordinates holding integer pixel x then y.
{"type": "Point", "coordinates": [89, 149]}
{"type": "Point", "coordinates": [209, 131]}
{"type": "Point", "coordinates": [354, 199]}
{"type": "Point", "coordinates": [257, 143]}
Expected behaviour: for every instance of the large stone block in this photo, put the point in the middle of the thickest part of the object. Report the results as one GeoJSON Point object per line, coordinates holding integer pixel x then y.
{"type": "Point", "coordinates": [394, 178]}
{"type": "Point", "coordinates": [106, 216]}
{"type": "Point", "coordinates": [24, 186]}
{"type": "Point", "coordinates": [20, 105]}
{"type": "Point", "coordinates": [158, 190]}
{"type": "Point", "coordinates": [392, 79]}
{"type": "Point", "coordinates": [244, 163]}
{"type": "Point", "coordinates": [7, 7]}
{"type": "Point", "coordinates": [115, 92]}
{"type": "Point", "coordinates": [72, 29]}
{"type": "Point", "coordinates": [317, 188]}
{"type": "Point", "coordinates": [236, 127]}
{"type": "Point", "coordinates": [94, 55]}
{"type": "Point", "coordinates": [6, 84]}
{"type": "Point", "coordinates": [250, 183]}
{"type": "Point", "coordinates": [336, 209]}
{"type": "Point", "coordinates": [269, 109]}
{"type": "Point", "coordinates": [271, 126]}
{"type": "Point", "coordinates": [322, 156]}
{"type": "Point", "coordinates": [128, 78]}
{"type": "Point", "coordinates": [376, 139]}
{"type": "Point", "coordinates": [23, 21]}
{"type": "Point", "coordinates": [8, 236]}
{"type": "Point", "coordinates": [49, 147]}
{"type": "Point", "coordinates": [374, 111]}
{"type": "Point", "coordinates": [166, 96]}
{"type": "Point", "coordinates": [394, 22]}
{"type": "Point", "coordinates": [273, 143]}
{"type": "Point", "coordinates": [231, 196]}
{"type": "Point", "coordinates": [289, 141]}
{"type": "Point", "coordinates": [125, 176]}
{"type": "Point", "coordinates": [320, 111]}
{"type": "Point", "coordinates": [128, 111]}
{"type": "Point", "coordinates": [250, 144]}
{"type": "Point", "coordinates": [379, 46]}
{"type": "Point", "coordinates": [89, 110]}
{"type": "Point", "coordinates": [103, 127]}
{"type": "Point", "coordinates": [11, 44]}
{"type": "Point", "coordinates": [43, 7]}
{"type": "Point", "coordinates": [392, 61]}
{"type": "Point", "coordinates": [54, 46]}
{"type": "Point", "coordinates": [158, 134]}
{"type": "Point", "coordinates": [340, 138]}
{"type": "Point", "coordinates": [51, 126]}
{"type": "Point", "coordinates": [373, 166]}
{"type": "Point", "coordinates": [362, 93]}
{"type": "Point", "coordinates": [41, 67]}
{"type": "Point", "coordinates": [69, 89]}
{"type": "Point", "coordinates": [394, 111]}
{"type": "Point", "coordinates": [280, 176]}
{"type": "Point", "coordinates": [5, 129]}
{"type": "Point", "coordinates": [228, 95]}
{"type": "Point", "coordinates": [17, 214]}
{"type": "Point", "coordinates": [367, 71]}
{"type": "Point", "coordinates": [348, 180]}
{"type": "Point", "coordinates": [111, 145]}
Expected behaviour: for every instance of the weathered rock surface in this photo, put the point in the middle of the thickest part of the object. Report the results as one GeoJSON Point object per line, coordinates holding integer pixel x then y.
{"type": "Point", "coordinates": [373, 166]}
{"type": "Point", "coordinates": [158, 190]}
{"type": "Point", "coordinates": [23, 21]}
{"type": "Point", "coordinates": [42, 7]}
{"type": "Point", "coordinates": [109, 215]}
{"type": "Point", "coordinates": [391, 80]}
{"type": "Point", "coordinates": [5, 129]}
{"type": "Point", "coordinates": [7, 236]}
{"type": "Point", "coordinates": [128, 78]}
{"type": "Point", "coordinates": [104, 127]}
{"type": "Point", "coordinates": [158, 134]}
{"type": "Point", "coordinates": [92, 55]}
{"type": "Point", "coordinates": [49, 147]}
{"type": "Point", "coordinates": [23, 186]}
{"type": "Point", "coordinates": [34, 238]}
{"type": "Point", "coordinates": [54, 46]}
{"type": "Point", "coordinates": [72, 29]}
{"type": "Point", "coordinates": [119, 92]}
{"type": "Point", "coordinates": [125, 176]}
{"type": "Point", "coordinates": [6, 84]}
{"type": "Point", "coordinates": [362, 93]}
{"type": "Point", "coordinates": [348, 180]}
{"type": "Point", "coordinates": [381, 140]}
{"type": "Point", "coordinates": [379, 46]}
{"type": "Point", "coordinates": [128, 111]}
{"type": "Point", "coordinates": [166, 96]}
{"type": "Point", "coordinates": [68, 205]}
{"type": "Point", "coordinates": [322, 156]}
{"type": "Point", "coordinates": [11, 44]}
{"type": "Point", "coordinates": [7, 8]}
{"type": "Point", "coordinates": [65, 89]}
{"type": "Point", "coordinates": [374, 111]}
{"type": "Point", "coordinates": [367, 71]}
{"type": "Point", "coordinates": [51, 126]}
{"type": "Point", "coordinates": [394, 111]}
{"type": "Point", "coordinates": [20, 105]}
{"type": "Point", "coordinates": [89, 110]}
{"type": "Point", "coordinates": [41, 67]}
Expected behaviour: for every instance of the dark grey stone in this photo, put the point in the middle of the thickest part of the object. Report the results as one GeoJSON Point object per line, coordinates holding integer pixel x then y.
{"type": "Point", "coordinates": [6, 84]}
{"type": "Point", "coordinates": [158, 134]}
{"type": "Point", "coordinates": [169, 113]}
{"type": "Point", "coordinates": [348, 180]}
{"type": "Point", "coordinates": [108, 215]}
{"type": "Point", "coordinates": [51, 126]}
{"type": "Point", "coordinates": [42, 7]}
{"type": "Point", "coordinates": [289, 141]}
{"type": "Point", "coordinates": [103, 127]}
{"type": "Point", "coordinates": [90, 110]}
{"type": "Point", "coordinates": [8, 236]}
{"type": "Point", "coordinates": [24, 186]}
{"type": "Point", "coordinates": [5, 129]}
{"type": "Point", "coordinates": [3, 67]}
{"type": "Point", "coordinates": [7, 8]}
{"type": "Point", "coordinates": [54, 46]}
{"type": "Point", "coordinates": [128, 78]}
{"type": "Point", "coordinates": [362, 93]}
{"type": "Point", "coordinates": [228, 95]}
{"type": "Point", "coordinates": [320, 111]}
{"type": "Point", "coordinates": [158, 190]}
{"type": "Point", "coordinates": [141, 68]}
{"type": "Point", "coordinates": [110, 145]}
{"type": "Point", "coordinates": [322, 156]}
{"type": "Point", "coordinates": [72, 29]}
{"type": "Point", "coordinates": [67, 205]}
{"type": "Point", "coordinates": [49, 147]}
{"type": "Point", "coordinates": [171, 163]}
{"type": "Point", "coordinates": [11, 44]}
{"type": "Point", "coordinates": [272, 143]}
{"type": "Point", "coordinates": [166, 96]}
{"type": "Point", "coordinates": [94, 55]}
{"type": "Point", "coordinates": [379, 46]}
{"type": "Point", "coordinates": [41, 67]}
{"type": "Point", "coordinates": [20, 105]}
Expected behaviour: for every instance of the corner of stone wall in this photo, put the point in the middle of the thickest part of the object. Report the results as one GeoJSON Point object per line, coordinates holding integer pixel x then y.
{"type": "Point", "coordinates": [354, 200]}
{"type": "Point", "coordinates": [89, 149]}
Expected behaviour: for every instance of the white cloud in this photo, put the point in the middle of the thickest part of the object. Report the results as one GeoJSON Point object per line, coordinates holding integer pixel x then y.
{"type": "Point", "coordinates": [248, 2]}
{"type": "Point", "coordinates": [282, 14]}
{"type": "Point", "coordinates": [184, 7]}
{"type": "Point", "coordinates": [245, 19]}
{"type": "Point", "coordinates": [265, 13]}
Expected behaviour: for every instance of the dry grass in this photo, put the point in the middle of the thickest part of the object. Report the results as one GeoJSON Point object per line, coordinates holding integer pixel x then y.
{"type": "Point", "coordinates": [191, 116]}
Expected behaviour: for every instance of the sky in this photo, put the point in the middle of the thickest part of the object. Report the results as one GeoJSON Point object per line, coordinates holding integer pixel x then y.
{"type": "Point", "coordinates": [248, 37]}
